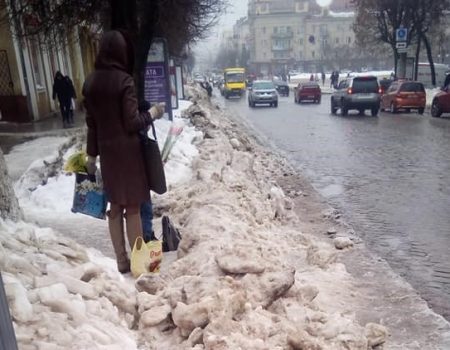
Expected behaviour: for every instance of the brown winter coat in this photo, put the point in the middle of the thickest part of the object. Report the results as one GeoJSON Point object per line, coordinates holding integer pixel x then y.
{"type": "Point", "coordinates": [113, 123]}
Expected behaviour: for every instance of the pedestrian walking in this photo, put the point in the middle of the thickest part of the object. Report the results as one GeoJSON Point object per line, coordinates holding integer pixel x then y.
{"type": "Point", "coordinates": [61, 90]}
{"type": "Point", "coordinates": [207, 86]}
{"type": "Point", "coordinates": [114, 121]}
{"type": "Point", "coordinates": [323, 78]}
{"type": "Point", "coordinates": [73, 96]}
{"type": "Point", "coordinates": [311, 78]}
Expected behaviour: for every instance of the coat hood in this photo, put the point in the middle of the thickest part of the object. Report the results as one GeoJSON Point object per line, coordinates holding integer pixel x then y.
{"type": "Point", "coordinates": [114, 52]}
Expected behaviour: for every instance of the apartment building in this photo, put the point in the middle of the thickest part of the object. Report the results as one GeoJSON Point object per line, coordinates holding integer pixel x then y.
{"type": "Point", "coordinates": [297, 34]}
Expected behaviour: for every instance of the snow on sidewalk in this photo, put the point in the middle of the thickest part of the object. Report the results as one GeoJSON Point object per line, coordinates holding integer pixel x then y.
{"type": "Point", "coordinates": [245, 277]}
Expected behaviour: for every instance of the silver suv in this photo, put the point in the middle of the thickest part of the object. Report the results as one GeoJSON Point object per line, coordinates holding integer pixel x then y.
{"type": "Point", "coordinates": [263, 91]}
{"type": "Point", "coordinates": [358, 93]}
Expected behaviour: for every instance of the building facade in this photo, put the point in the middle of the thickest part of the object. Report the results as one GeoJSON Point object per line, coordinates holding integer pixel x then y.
{"type": "Point", "coordinates": [297, 34]}
{"type": "Point", "coordinates": [27, 70]}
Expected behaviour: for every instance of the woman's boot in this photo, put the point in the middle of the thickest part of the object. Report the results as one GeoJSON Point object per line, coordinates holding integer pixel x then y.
{"type": "Point", "coordinates": [115, 223]}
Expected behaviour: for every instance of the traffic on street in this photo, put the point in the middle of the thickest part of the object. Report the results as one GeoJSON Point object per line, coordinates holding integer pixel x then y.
{"type": "Point", "coordinates": [388, 174]}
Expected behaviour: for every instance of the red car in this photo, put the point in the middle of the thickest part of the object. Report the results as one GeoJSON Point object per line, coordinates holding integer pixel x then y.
{"type": "Point", "coordinates": [406, 95]}
{"type": "Point", "coordinates": [441, 102]}
{"type": "Point", "coordinates": [307, 92]}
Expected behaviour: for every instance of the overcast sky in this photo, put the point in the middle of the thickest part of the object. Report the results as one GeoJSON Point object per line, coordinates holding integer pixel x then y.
{"type": "Point", "coordinates": [236, 10]}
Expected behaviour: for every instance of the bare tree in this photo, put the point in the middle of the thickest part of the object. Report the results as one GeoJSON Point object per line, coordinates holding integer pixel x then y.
{"type": "Point", "coordinates": [377, 20]}
{"type": "Point", "coordinates": [180, 21]}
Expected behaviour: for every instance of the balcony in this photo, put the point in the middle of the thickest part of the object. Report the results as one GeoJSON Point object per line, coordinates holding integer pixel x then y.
{"type": "Point", "coordinates": [278, 48]}
{"type": "Point", "coordinates": [282, 35]}
{"type": "Point", "coordinates": [286, 6]}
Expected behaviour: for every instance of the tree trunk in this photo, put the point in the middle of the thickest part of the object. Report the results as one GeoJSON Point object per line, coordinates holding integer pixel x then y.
{"type": "Point", "coordinates": [430, 59]}
{"type": "Point", "coordinates": [148, 17]}
{"type": "Point", "coordinates": [9, 205]}
{"type": "Point", "coordinates": [416, 67]}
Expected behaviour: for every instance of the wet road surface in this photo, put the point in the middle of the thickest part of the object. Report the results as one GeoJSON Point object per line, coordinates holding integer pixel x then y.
{"type": "Point", "coordinates": [389, 175]}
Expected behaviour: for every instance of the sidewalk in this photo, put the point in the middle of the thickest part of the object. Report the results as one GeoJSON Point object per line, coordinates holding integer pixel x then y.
{"type": "Point", "coordinates": [12, 134]}
{"type": "Point", "coordinates": [47, 125]}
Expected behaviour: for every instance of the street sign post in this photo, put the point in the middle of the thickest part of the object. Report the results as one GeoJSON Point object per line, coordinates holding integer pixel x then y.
{"type": "Point", "coordinates": [401, 38]}
{"type": "Point", "coordinates": [157, 87]}
{"type": "Point", "coordinates": [401, 35]}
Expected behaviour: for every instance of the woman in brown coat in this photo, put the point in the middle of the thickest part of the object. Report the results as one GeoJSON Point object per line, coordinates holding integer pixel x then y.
{"type": "Point", "coordinates": [113, 122]}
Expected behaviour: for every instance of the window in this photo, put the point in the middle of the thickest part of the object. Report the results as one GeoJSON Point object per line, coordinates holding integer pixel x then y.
{"type": "Point", "coordinates": [365, 85]}
{"type": "Point", "coordinates": [35, 56]}
{"type": "Point", "coordinates": [313, 54]}
{"type": "Point", "coordinates": [300, 41]}
{"type": "Point", "coordinates": [412, 87]}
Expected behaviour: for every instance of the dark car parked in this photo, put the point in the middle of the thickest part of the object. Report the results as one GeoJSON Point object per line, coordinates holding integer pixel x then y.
{"type": "Point", "coordinates": [282, 87]}
{"type": "Point", "coordinates": [307, 92]}
{"type": "Point", "coordinates": [358, 93]}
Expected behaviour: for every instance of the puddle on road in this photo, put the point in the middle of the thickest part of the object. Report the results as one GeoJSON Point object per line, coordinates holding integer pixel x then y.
{"type": "Point", "coordinates": [331, 190]}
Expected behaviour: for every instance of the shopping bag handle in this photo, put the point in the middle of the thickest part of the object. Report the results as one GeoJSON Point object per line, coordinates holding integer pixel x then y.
{"type": "Point", "coordinates": [139, 239]}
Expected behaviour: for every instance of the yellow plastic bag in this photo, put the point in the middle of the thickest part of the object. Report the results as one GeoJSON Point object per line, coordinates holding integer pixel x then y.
{"type": "Point", "coordinates": [76, 163]}
{"type": "Point", "coordinates": [146, 258]}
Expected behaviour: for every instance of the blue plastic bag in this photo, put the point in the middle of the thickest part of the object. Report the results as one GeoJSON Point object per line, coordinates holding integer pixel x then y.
{"type": "Point", "coordinates": [89, 197]}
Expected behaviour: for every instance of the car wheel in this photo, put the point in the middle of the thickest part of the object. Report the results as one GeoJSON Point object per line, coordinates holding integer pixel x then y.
{"type": "Point", "coordinates": [374, 112]}
{"type": "Point", "coordinates": [333, 108]}
{"type": "Point", "coordinates": [275, 104]}
{"type": "Point", "coordinates": [318, 101]}
{"type": "Point", "coordinates": [393, 110]}
{"type": "Point", "coordinates": [421, 110]}
{"type": "Point", "coordinates": [436, 110]}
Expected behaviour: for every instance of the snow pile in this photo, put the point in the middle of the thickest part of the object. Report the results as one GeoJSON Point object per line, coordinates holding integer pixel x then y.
{"type": "Point", "coordinates": [42, 196]}
{"type": "Point", "coordinates": [59, 298]}
{"type": "Point", "coordinates": [245, 277]}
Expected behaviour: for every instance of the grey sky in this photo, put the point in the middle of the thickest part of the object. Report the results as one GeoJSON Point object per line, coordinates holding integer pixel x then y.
{"type": "Point", "coordinates": [206, 49]}
{"type": "Point", "coordinates": [237, 10]}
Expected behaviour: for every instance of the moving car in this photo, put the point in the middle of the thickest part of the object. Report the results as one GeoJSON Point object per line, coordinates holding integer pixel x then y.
{"type": "Point", "coordinates": [384, 85]}
{"type": "Point", "coordinates": [358, 93]}
{"type": "Point", "coordinates": [307, 92]}
{"type": "Point", "coordinates": [406, 95]}
{"type": "Point", "coordinates": [282, 87]}
{"type": "Point", "coordinates": [263, 91]}
{"type": "Point", "coordinates": [441, 102]}
{"type": "Point", "coordinates": [234, 82]}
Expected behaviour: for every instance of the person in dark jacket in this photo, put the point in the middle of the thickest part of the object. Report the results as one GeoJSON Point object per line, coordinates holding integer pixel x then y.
{"type": "Point", "coordinates": [73, 95]}
{"type": "Point", "coordinates": [62, 90]}
{"type": "Point", "coordinates": [114, 122]}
